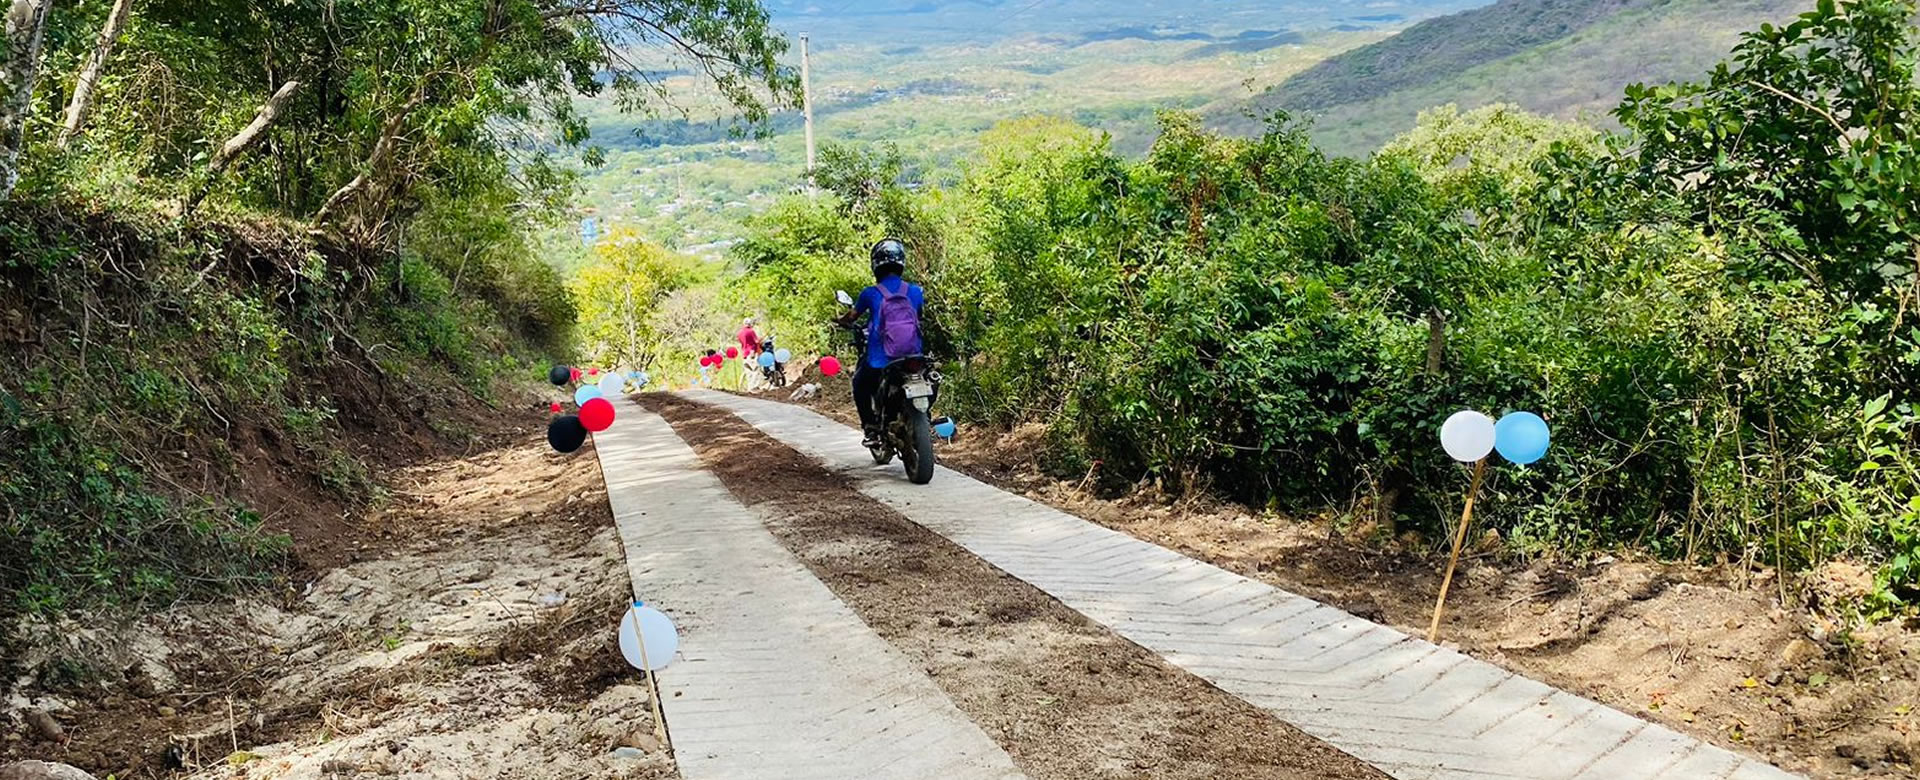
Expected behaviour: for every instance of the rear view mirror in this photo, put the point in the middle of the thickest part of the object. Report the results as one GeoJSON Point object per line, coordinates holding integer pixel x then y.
{"type": "Point", "coordinates": [845, 299]}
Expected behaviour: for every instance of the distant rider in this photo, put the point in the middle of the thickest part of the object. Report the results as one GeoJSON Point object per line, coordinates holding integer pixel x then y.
{"type": "Point", "coordinates": [889, 260]}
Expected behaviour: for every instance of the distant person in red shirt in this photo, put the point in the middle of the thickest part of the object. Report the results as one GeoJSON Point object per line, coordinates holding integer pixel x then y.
{"type": "Point", "coordinates": [749, 340]}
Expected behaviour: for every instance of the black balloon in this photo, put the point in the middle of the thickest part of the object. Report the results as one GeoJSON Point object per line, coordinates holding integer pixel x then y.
{"type": "Point", "coordinates": [560, 375]}
{"type": "Point", "coordinates": [566, 434]}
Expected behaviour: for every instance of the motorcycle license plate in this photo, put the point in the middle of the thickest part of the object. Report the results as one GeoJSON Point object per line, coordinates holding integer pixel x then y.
{"type": "Point", "coordinates": [919, 390]}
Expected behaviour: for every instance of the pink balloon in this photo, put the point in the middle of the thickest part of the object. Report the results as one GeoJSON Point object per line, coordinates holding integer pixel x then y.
{"type": "Point", "coordinates": [830, 365]}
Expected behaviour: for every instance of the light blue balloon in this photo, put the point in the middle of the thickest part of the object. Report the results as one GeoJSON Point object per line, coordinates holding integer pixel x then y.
{"type": "Point", "coordinates": [586, 393]}
{"type": "Point", "coordinates": [766, 360]}
{"type": "Point", "coordinates": [640, 379]}
{"type": "Point", "coordinates": [945, 429]}
{"type": "Point", "coordinates": [783, 356]}
{"type": "Point", "coordinates": [1521, 437]}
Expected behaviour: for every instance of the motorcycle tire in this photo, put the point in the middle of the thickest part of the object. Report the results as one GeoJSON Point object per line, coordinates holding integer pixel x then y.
{"type": "Point", "coordinates": [919, 461]}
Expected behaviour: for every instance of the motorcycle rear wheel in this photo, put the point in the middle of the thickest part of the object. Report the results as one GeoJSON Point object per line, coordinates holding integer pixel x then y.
{"type": "Point", "coordinates": [919, 459]}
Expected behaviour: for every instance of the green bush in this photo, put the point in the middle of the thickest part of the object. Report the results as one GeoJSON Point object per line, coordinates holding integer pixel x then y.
{"type": "Point", "coordinates": [83, 530]}
{"type": "Point", "coordinates": [1701, 307]}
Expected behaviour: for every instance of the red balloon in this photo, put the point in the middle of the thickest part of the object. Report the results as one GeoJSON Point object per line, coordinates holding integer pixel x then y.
{"type": "Point", "coordinates": [830, 365]}
{"type": "Point", "coordinates": [555, 407]}
{"type": "Point", "coordinates": [706, 360]}
{"type": "Point", "coordinates": [593, 372]}
{"type": "Point", "coordinates": [575, 375]}
{"type": "Point", "coordinates": [596, 414]}
{"type": "Point", "coordinates": [733, 352]}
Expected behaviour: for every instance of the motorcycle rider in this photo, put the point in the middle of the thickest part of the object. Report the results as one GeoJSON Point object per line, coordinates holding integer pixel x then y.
{"type": "Point", "coordinates": [888, 259]}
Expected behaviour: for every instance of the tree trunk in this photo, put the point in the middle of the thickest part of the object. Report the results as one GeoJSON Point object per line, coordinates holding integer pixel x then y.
{"type": "Point", "coordinates": [382, 149]}
{"type": "Point", "coordinates": [25, 27]}
{"type": "Point", "coordinates": [1436, 340]}
{"type": "Point", "coordinates": [243, 140]}
{"type": "Point", "coordinates": [90, 73]}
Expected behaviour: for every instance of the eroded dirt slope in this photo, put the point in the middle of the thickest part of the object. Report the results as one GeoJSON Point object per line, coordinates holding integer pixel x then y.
{"type": "Point", "coordinates": [473, 637]}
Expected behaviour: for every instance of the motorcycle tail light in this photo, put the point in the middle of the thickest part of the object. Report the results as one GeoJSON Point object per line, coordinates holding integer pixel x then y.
{"type": "Point", "coordinates": [916, 365]}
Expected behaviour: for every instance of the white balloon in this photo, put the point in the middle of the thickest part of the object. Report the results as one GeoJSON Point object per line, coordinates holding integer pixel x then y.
{"type": "Point", "coordinates": [611, 384]}
{"type": "Point", "coordinates": [662, 639]}
{"type": "Point", "coordinates": [1467, 436]}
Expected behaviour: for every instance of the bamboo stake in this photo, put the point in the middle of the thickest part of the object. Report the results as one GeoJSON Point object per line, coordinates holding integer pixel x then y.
{"type": "Point", "coordinates": [1459, 540]}
{"type": "Point", "coordinates": [653, 682]}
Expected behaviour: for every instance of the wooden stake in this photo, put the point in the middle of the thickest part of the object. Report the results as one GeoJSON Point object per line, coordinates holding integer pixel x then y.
{"type": "Point", "coordinates": [653, 683]}
{"type": "Point", "coordinates": [1459, 540]}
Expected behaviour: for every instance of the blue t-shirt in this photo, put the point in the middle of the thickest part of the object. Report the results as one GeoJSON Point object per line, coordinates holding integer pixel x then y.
{"type": "Point", "coordinates": [869, 306]}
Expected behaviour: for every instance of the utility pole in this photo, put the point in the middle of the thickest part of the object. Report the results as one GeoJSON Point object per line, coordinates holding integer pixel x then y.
{"type": "Point", "coordinates": [806, 100]}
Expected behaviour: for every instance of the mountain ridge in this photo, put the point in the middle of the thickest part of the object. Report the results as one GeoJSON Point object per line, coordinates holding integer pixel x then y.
{"type": "Point", "coordinates": [1578, 75]}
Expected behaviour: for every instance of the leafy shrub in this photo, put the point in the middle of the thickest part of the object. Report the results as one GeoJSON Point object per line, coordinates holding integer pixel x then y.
{"type": "Point", "coordinates": [1699, 306]}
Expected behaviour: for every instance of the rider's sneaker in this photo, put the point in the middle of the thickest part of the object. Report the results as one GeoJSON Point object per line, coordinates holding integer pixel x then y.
{"type": "Point", "coordinates": [872, 439]}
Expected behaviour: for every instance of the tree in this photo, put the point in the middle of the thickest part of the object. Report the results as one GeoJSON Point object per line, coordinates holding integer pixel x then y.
{"type": "Point", "coordinates": [26, 25]}
{"type": "Point", "coordinates": [90, 72]}
{"type": "Point", "coordinates": [1803, 146]}
{"type": "Point", "coordinates": [621, 291]}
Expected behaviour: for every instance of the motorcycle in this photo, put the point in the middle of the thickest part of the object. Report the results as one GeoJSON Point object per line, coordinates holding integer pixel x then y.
{"type": "Point", "coordinates": [776, 374]}
{"type": "Point", "coordinates": [909, 387]}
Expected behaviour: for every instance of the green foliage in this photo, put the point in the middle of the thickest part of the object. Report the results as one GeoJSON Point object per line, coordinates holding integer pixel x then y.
{"type": "Point", "coordinates": [83, 529]}
{"type": "Point", "coordinates": [1877, 506]}
{"type": "Point", "coordinates": [1696, 307]}
{"type": "Point", "coordinates": [476, 87]}
{"type": "Point", "coordinates": [1802, 147]}
{"type": "Point", "coordinates": [621, 291]}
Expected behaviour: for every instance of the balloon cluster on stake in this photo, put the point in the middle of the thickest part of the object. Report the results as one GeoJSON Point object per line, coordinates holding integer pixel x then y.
{"type": "Point", "coordinates": [1471, 437]}
{"type": "Point", "coordinates": [567, 433]}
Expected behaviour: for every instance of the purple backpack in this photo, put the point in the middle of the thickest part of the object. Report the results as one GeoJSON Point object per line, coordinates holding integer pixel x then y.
{"type": "Point", "coordinates": [899, 323]}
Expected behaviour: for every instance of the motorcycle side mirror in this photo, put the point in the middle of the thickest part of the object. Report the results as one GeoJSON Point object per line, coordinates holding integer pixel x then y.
{"type": "Point", "coordinates": [843, 297]}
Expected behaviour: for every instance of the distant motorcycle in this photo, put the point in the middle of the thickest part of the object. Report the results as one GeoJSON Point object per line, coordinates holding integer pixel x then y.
{"type": "Point", "coordinates": [908, 390]}
{"type": "Point", "coordinates": [776, 374]}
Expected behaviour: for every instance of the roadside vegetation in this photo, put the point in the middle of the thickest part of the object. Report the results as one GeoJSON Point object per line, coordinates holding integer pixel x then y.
{"type": "Point", "coordinates": [1716, 308]}
{"type": "Point", "coordinates": [256, 235]}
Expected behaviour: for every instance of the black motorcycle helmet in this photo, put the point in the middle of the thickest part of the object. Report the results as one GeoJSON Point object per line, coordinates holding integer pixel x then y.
{"type": "Point", "coordinates": [889, 257]}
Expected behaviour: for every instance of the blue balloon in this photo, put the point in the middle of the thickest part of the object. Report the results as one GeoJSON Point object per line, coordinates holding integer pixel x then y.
{"type": "Point", "coordinates": [1521, 437]}
{"type": "Point", "coordinates": [945, 429]}
{"type": "Point", "coordinates": [586, 393]}
{"type": "Point", "coordinates": [766, 360]}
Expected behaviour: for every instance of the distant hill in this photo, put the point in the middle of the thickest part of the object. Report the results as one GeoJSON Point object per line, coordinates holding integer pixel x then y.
{"type": "Point", "coordinates": [1432, 50]}
{"type": "Point", "coordinates": [1234, 25]}
{"type": "Point", "coordinates": [1559, 57]}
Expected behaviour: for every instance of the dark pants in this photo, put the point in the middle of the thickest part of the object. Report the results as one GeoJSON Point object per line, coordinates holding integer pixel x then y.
{"type": "Point", "coordinates": [866, 384]}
